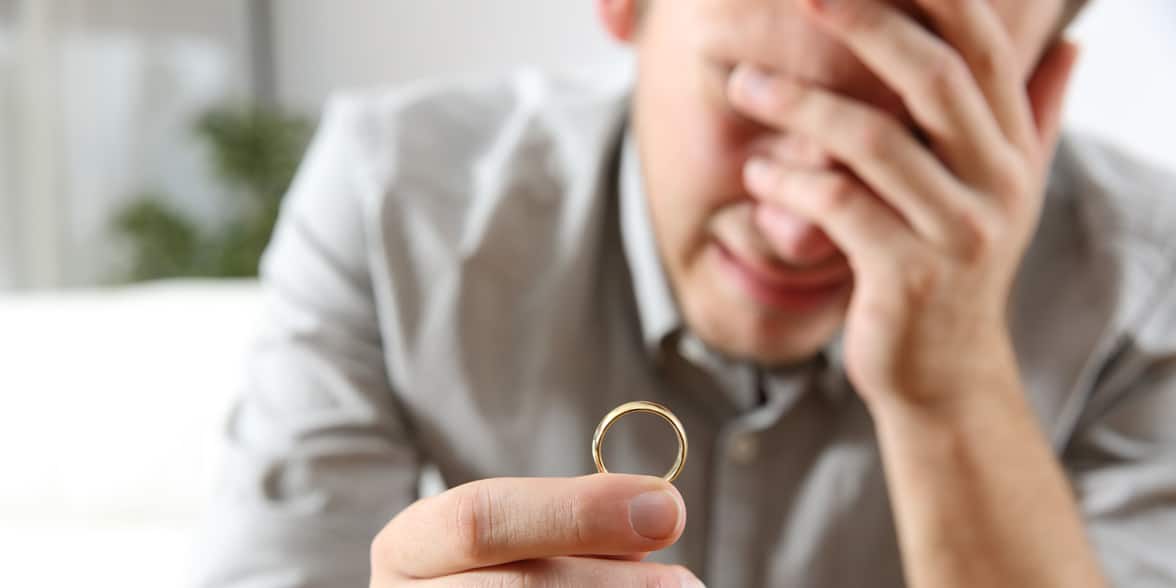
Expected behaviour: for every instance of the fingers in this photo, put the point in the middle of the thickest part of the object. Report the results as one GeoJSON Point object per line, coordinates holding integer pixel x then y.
{"type": "Point", "coordinates": [875, 146]}
{"type": "Point", "coordinates": [933, 80]}
{"type": "Point", "coordinates": [799, 151]}
{"type": "Point", "coordinates": [789, 237]}
{"type": "Point", "coordinates": [570, 572]}
{"type": "Point", "coordinates": [494, 522]}
{"type": "Point", "coordinates": [859, 223]}
{"type": "Point", "coordinates": [975, 29]}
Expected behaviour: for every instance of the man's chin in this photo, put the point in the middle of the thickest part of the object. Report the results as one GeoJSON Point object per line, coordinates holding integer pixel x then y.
{"type": "Point", "coordinates": [749, 333]}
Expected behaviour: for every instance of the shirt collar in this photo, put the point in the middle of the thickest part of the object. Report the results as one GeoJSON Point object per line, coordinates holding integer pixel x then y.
{"type": "Point", "coordinates": [656, 307]}
{"type": "Point", "coordinates": [825, 372]}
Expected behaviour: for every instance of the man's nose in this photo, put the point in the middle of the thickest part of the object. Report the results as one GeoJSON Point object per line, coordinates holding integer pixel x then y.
{"type": "Point", "coordinates": [793, 239]}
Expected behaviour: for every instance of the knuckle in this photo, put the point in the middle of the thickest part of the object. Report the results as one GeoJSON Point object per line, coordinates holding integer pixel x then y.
{"type": "Point", "coordinates": [574, 518]}
{"type": "Point", "coordinates": [920, 278]}
{"type": "Point", "coordinates": [838, 196]}
{"type": "Point", "coordinates": [804, 150]}
{"type": "Point", "coordinates": [473, 522]}
{"type": "Point", "coordinates": [859, 16]}
{"type": "Point", "coordinates": [1009, 183]}
{"type": "Point", "coordinates": [875, 139]}
{"type": "Point", "coordinates": [944, 74]}
{"type": "Point", "coordinates": [979, 235]}
{"type": "Point", "coordinates": [991, 63]}
{"type": "Point", "coordinates": [994, 58]}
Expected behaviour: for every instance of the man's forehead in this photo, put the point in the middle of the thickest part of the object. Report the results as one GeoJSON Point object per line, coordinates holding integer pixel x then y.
{"type": "Point", "coordinates": [777, 10]}
{"type": "Point", "coordinates": [758, 30]}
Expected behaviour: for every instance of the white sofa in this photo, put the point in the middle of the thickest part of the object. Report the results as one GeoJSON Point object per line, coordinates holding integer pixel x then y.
{"type": "Point", "coordinates": [113, 401]}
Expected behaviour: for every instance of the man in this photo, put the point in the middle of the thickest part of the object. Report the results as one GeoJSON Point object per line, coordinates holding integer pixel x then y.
{"type": "Point", "coordinates": [908, 344]}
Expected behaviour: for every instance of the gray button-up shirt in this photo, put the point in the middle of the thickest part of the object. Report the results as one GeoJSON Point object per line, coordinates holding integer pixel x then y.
{"type": "Point", "coordinates": [465, 275]}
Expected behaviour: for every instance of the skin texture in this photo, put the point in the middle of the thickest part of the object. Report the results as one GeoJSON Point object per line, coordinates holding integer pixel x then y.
{"type": "Point", "coordinates": [695, 147]}
{"type": "Point", "coordinates": [869, 167]}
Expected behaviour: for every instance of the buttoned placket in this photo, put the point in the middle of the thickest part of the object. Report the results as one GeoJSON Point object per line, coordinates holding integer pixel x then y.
{"type": "Point", "coordinates": [736, 477]}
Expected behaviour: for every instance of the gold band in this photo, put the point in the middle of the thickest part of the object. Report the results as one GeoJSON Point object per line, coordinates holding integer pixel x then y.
{"type": "Point", "coordinates": [648, 408]}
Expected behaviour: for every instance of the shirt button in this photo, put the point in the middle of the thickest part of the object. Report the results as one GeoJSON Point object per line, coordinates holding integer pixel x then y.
{"type": "Point", "coordinates": [744, 448]}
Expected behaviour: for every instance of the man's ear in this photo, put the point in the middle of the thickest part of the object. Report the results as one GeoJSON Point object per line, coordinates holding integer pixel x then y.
{"type": "Point", "coordinates": [1047, 90]}
{"type": "Point", "coordinates": [621, 18]}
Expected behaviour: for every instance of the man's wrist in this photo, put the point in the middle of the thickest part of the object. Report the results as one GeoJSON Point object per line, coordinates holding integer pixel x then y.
{"type": "Point", "coordinates": [977, 459]}
{"type": "Point", "coordinates": [967, 385]}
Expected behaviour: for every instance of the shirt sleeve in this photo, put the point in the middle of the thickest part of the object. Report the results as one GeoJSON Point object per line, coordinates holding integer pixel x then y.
{"type": "Point", "coordinates": [1123, 458]}
{"type": "Point", "coordinates": [318, 455]}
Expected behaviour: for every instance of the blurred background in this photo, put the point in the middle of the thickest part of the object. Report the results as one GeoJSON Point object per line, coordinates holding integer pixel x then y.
{"type": "Point", "coordinates": [144, 148]}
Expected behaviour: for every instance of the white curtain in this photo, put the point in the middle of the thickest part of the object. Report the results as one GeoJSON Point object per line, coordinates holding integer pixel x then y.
{"type": "Point", "coordinates": [96, 95]}
{"type": "Point", "coordinates": [97, 100]}
{"type": "Point", "coordinates": [7, 118]}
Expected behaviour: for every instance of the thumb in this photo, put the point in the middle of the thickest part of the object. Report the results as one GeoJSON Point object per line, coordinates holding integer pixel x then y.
{"type": "Point", "coordinates": [1047, 91]}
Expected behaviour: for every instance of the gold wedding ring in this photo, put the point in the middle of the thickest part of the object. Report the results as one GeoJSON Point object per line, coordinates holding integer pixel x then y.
{"type": "Point", "coordinates": [648, 408]}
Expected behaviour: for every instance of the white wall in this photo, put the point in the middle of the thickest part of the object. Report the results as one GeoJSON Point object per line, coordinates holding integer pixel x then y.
{"type": "Point", "coordinates": [1124, 89]}
{"type": "Point", "coordinates": [110, 437]}
{"type": "Point", "coordinates": [324, 45]}
{"type": "Point", "coordinates": [97, 106]}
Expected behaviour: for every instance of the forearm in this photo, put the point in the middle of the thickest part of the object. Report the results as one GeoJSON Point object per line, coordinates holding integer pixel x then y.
{"type": "Point", "coordinates": [979, 498]}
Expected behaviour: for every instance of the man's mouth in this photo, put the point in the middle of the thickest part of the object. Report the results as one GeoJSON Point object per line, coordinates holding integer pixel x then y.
{"type": "Point", "coordinates": [778, 286]}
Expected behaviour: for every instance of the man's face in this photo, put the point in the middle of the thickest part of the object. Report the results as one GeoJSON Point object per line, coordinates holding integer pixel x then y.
{"type": "Point", "coordinates": [754, 281]}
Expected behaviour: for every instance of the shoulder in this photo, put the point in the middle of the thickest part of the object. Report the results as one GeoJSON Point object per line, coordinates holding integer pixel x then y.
{"type": "Point", "coordinates": [1132, 201]}
{"type": "Point", "coordinates": [425, 166]}
{"type": "Point", "coordinates": [1127, 210]}
{"type": "Point", "coordinates": [440, 136]}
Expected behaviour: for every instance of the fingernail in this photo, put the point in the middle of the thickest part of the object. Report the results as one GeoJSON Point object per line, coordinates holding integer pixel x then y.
{"type": "Point", "coordinates": [654, 515]}
{"type": "Point", "coordinates": [689, 580]}
{"type": "Point", "coordinates": [760, 174]}
{"type": "Point", "coordinates": [750, 82]}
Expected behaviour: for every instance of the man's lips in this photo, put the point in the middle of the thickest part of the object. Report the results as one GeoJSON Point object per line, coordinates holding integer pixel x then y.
{"type": "Point", "coordinates": [833, 270]}
{"type": "Point", "coordinates": [789, 288]}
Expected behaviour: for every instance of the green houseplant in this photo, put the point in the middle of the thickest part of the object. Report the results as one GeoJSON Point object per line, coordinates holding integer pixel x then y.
{"type": "Point", "coordinates": [255, 153]}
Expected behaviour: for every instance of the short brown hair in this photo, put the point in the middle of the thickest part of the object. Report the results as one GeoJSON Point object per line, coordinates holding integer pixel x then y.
{"type": "Point", "coordinates": [1071, 10]}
